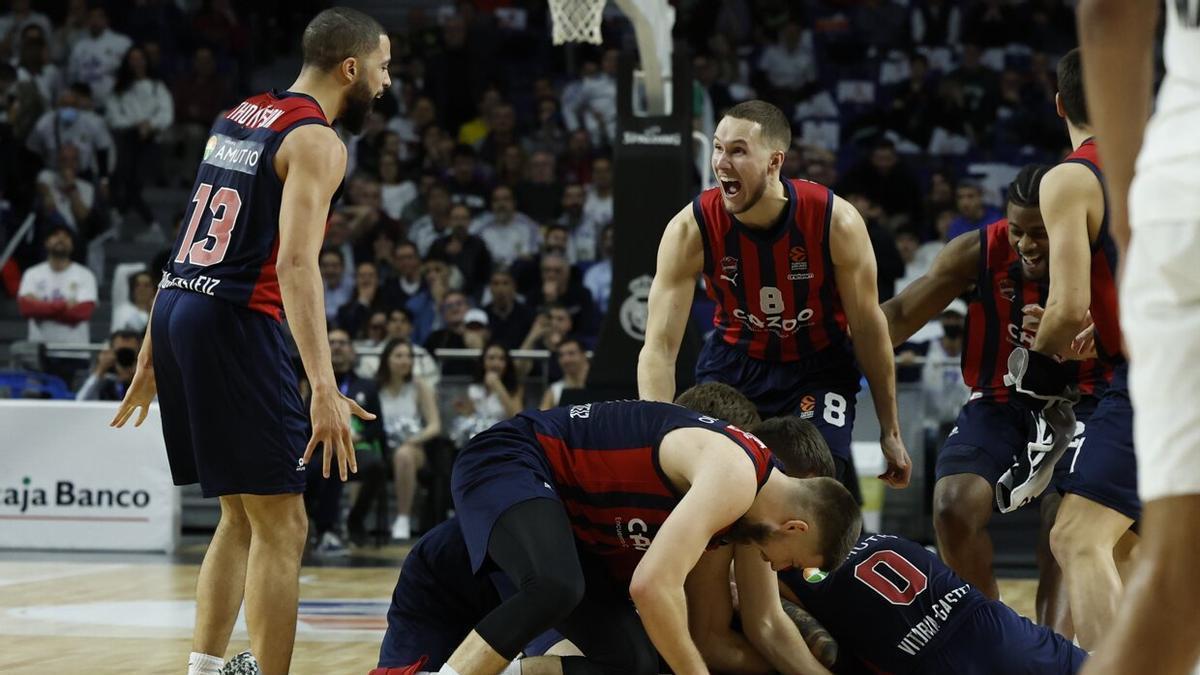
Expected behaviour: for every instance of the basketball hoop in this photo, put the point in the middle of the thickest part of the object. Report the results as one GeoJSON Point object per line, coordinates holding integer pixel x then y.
{"type": "Point", "coordinates": [576, 20]}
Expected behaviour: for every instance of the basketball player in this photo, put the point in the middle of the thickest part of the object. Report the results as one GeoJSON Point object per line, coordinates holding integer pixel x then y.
{"type": "Point", "coordinates": [438, 600]}
{"type": "Point", "coordinates": [1156, 630]}
{"type": "Point", "coordinates": [788, 264]}
{"type": "Point", "coordinates": [214, 350]}
{"type": "Point", "coordinates": [1100, 500]}
{"type": "Point", "coordinates": [641, 488]}
{"type": "Point", "coordinates": [895, 608]}
{"type": "Point", "coordinates": [1005, 267]}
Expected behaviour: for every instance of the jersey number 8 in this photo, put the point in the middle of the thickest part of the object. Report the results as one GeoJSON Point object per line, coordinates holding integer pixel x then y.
{"type": "Point", "coordinates": [226, 202]}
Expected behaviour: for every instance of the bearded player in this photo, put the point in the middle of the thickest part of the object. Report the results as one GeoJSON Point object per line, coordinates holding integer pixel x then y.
{"type": "Point", "coordinates": [215, 352]}
{"type": "Point", "coordinates": [792, 271]}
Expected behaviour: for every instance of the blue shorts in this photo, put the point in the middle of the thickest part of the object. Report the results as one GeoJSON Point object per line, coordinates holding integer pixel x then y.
{"type": "Point", "coordinates": [987, 435]}
{"type": "Point", "coordinates": [1104, 467]}
{"type": "Point", "coordinates": [438, 600]}
{"type": "Point", "coordinates": [995, 640]}
{"type": "Point", "coordinates": [231, 411]}
{"type": "Point", "coordinates": [496, 470]}
{"type": "Point", "coordinates": [821, 388]}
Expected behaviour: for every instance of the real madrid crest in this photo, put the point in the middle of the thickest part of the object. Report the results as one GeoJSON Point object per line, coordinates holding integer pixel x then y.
{"type": "Point", "coordinates": [634, 310]}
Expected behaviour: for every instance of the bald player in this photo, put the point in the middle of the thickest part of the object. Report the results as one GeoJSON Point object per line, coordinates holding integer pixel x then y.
{"type": "Point", "coordinates": [792, 271]}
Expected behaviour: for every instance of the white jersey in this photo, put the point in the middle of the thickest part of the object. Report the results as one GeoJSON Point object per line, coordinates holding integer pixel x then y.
{"type": "Point", "coordinates": [1166, 185]}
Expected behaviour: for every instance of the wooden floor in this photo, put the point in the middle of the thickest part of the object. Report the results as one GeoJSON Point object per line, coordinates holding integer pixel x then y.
{"type": "Point", "coordinates": [108, 614]}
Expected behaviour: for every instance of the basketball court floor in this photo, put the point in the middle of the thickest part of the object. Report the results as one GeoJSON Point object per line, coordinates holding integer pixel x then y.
{"type": "Point", "coordinates": [130, 613]}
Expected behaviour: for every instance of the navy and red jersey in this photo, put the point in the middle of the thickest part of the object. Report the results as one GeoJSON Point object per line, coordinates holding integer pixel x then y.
{"type": "Point", "coordinates": [230, 237]}
{"type": "Point", "coordinates": [891, 603]}
{"type": "Point", "coordinates": [604, 461]}
{"type": "Point", "coordinates": [1105, 310]}
{"type": "Point", "coordinates": [775, 290]}
{"type": "Point", "coordinates": [995, 321]}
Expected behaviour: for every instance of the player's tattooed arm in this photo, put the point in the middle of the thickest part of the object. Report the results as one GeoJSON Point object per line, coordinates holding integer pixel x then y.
{"type": "Point", "coordinates": [819, 640]}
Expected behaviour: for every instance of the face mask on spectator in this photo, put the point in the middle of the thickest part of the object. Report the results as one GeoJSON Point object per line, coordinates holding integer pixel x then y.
{"type": "Point", "coordinates": [68, 115]}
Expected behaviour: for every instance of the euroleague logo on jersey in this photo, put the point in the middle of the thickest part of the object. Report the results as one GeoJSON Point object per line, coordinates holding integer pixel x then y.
{"type": "Point", "coordinates": [799, 264]}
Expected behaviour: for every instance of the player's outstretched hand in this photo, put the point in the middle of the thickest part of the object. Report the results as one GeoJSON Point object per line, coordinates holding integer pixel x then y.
{"type": "Point", "coordinates": [899, 466]}
{"type": "Point", "coordinates": [138, 397]}
{"type": "Point", "coordinates": [330, 412]}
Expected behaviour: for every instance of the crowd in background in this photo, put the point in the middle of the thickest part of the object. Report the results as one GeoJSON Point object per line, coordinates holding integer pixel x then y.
{"type": "Point", "coordinates": [478, 207]}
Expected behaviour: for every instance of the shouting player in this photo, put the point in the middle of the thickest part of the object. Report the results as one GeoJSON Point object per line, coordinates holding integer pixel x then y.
{"type": "Point", "coordinates": [789, 264]}
{"type": "Point", "coordinates": [1160, 291]}
{"type": "Point", "coordinates": [215, 352]}
{"type": "Point", "coordinates": [1100, 500]}
{"type": "Point", "coordinates": [1005, 267]}
{"type": "Point", "coordinates": [588, 506]}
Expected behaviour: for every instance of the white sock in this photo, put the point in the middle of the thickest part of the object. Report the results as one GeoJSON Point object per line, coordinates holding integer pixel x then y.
{"type": "Point", "coordinates": [204, 664]}
{"type": "Point", "coordinates": [447, 669]}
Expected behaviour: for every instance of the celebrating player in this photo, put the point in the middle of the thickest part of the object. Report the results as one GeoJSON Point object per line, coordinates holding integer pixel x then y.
{"type": "Point", "coordinates": [1160, 288]}
{"type": "Point", "coordinates": [214, 350]}
{"type": "Point", "coordinates": [1006, 265]}
{"type": "Point", "coordinates": [1100, 500]}
{"type": "Point", "coordinates": [586, 506]}
{"type": "Point", "coordinates": [789, 264]}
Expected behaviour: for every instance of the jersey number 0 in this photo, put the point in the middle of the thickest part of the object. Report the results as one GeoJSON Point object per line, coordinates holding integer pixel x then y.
{"type": "Point", "coordinates": [224, 208]}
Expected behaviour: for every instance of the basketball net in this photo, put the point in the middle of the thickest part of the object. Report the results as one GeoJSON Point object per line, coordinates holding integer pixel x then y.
{"type": "Point", "coordinates": [576, 20]}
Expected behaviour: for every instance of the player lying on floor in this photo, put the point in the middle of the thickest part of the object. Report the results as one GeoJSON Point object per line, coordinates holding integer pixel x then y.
{"type": "Point", "coordinates": [441, 597]}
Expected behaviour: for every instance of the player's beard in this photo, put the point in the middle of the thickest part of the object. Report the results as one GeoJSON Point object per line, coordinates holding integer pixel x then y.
{"type": "Point", "coordinates": [358, 106]}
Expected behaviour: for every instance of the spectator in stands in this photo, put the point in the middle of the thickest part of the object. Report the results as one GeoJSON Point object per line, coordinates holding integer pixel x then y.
{"type": "Point", "coordinates": [941, 376]}
{"type": "Point", "coordinates": [96, 57]}
{"type": "Point", "coordinates": [73, 29]}
{"type": "Point", "coordinates": [369, 297]}
{"type": "Point", "coordinates": [888, 183]}
{"type": "Point", "coordinates": [557, 285]}
{"type": "Point", "coordinates": [476, 333]}
{"type": "Point", "coordinates": [363, 211]}
{"type": "Point", "coordinates": [889, 264]}
{"type": "Point", "coordinates": [582, 227]}
{"type": "Point", "coordinates": [74, 122]}
{"type": "Point", "coordinates": [908, 242]}
{"type": "Point", "coordinates": [790, 64]}
{"type": "Point", "coordinates": [66, 198]}
{"type": "Point", "coordinates": [577, 162]}
{"type": "Point", "coordinates": [135, 314]}
{"type": "Point", "coordinates": [508, 233]}
{"type": "Point", "coordinates": [598, 205]}
{"type": "Point", "coordinates": [395, 192]}
{"type": "Point", "coordinates": [913, 102]}
{"type": "Point", "coordinates": [338, 290]}
{"type": "Point", "coordinates": [540, 196]}
{"type": "Point", "coordinates": [450, 336]}
{"type": "Point", "coordinates": [407, 281]}
{"type": "Point", "coordinates": [412, 418]}
{"type": "Point", "coordinates": [200, 96]}
{"type": "Point", "coordinates": [979, 85]}
{"type": "Point", "coordinates": [114, 369]}
{"type": "Point", "coordinates": [598, 278]}
{"type": "Point", "coordinates": [468, 253]}
{"type": "Point", "coordinates": [988, 23]}
{"type": "Point", "coordinates": [508, 317]}
{"type": "Point", "coordinates": [14, 23]}
{"type": "Point", "coordinates": [549, 135]}
{"type": "Point", "coordinates": [972, 212]}
{"type": "Point", "coordinates": [502, 133]}
{"type": "Point", "coordinates": [510, 166]}
{"type": "Point", "coordinates": [940, 196]}
{"type": "Point", "coordinates": [879, 25]}
{"type": "Point", "coordinates": [493, 395]}
{"type": "Point", "coordinates": [400, 327]}
{"type": "Point", "coordinates": [440, 278]}
{"type": "Point", "coordinates": [58, 297]}
{"type": "Point", "coordinates": [435, 224]}
{"type": "Point", "coordinates": [323, 496]}
{"type": "Point", "coordinates": [139, 111]}
{"type": "Point", "coordinates": [466, 182]}
{"type": "Point", "coordinates": [33, 64]}
{"type": "Point", "coordinates": [590, 103]}
{"type": "Point", "coordinates": [473, 131]}
{"type": "Point", "coordinates": [935, 23]}
{"type": "Point", "coordinates": [573, 361]}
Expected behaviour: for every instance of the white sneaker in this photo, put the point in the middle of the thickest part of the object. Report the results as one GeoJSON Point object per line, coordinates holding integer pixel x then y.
{"type": "Point", "coordinates": [331, 545]}
{"type": "Point", "coordinates": [401, 528]}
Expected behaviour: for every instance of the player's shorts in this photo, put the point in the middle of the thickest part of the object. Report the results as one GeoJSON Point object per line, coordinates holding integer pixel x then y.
{"type": "Point", "coordinates": [1160, 316]}
{"type": "Point", "coordinates": [821, 388]}
{"type": "Point", "coordinates": [438, 601]}
{"type": "Point", "coordinates": [1103, 467]}
{"type": "Point", "coordinates": [995, 640]}
{"type": "Point", "coordinates": [497, 469]}
{"type": "Point", "coordinates": [231, 411]}
{"type": "Point", "coordinates": [987, 435]}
